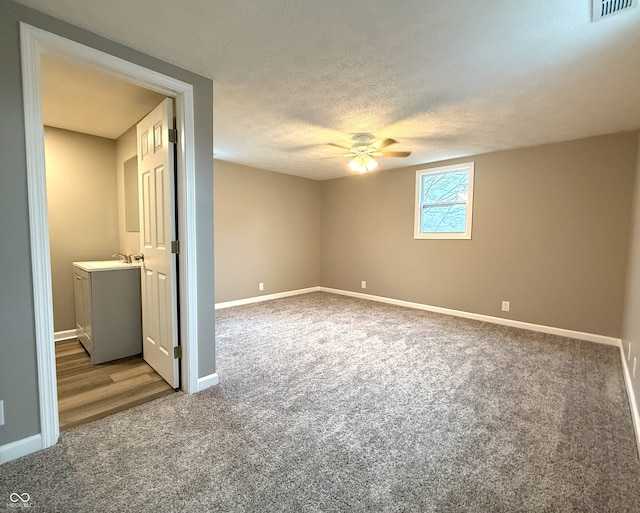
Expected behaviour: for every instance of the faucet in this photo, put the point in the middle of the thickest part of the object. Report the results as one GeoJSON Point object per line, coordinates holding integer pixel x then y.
{"type": "Point", "coordinates": [126, 258]}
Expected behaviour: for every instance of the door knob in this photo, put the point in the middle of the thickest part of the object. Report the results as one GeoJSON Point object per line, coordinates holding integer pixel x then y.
{"type": "Point", "coordinates": [139, 258]}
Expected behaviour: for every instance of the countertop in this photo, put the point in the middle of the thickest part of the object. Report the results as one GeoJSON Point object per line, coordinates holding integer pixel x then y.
{"type": "Point", "coordinates": [105, 265]}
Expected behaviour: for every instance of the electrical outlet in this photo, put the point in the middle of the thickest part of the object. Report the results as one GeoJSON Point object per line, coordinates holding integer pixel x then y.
{"type": "Point", "coordinates": [1, 413]}
{"type": "Point", "coordinates": [363, 284]}
{"type": "Point", "coordinates": [634, 368]}
{"type": "Point", "coordinates": [260, 286]}
{"type": "Point", "coordinates": [506, 306]}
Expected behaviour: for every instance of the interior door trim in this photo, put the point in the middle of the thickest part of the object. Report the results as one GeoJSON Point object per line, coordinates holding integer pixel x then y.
{"type": "Point", "coordinates": [34, 41]}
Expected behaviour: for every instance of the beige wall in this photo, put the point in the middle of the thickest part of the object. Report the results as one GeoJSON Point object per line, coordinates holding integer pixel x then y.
{"type": "Point", "coordinates": [267, 229]}
{"type": "Point", "coordinates": [631, 327]}
{"type": "Point", "coordinates": [550, 234]}
{"type": "Point", "coordinates": [83, 210]}
{"type": "Point", "coordinates": [125, 147]}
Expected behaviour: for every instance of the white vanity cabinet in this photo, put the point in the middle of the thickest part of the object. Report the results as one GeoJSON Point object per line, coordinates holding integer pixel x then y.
{"type": "Point", "coordinates": [108, 309]}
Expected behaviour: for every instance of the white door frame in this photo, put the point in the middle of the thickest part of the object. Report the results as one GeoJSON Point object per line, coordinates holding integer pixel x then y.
{"type": "Point", "coordinates": [34, 41]}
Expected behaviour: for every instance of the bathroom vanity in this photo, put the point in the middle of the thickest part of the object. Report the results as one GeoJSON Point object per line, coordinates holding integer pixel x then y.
{"type": "Point", "coordinates": [108, 309]}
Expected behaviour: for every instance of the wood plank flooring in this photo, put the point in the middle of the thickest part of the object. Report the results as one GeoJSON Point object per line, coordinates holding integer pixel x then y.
{"type": "Point", "coordinates": [89, 392]}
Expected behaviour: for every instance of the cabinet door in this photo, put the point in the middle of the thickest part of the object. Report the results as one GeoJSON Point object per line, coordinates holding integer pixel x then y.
{"type": "Point", "coordinates": [80, 303]}
{"type": "Point", "coordinates": [82, 291]}
{"type": "Point", "coordinates": [88, 312]}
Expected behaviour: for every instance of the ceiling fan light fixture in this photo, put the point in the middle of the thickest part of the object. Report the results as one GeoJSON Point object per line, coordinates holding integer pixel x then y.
{"type": "Point", "coordinates": [363, 163]}
{"type": "Point", "coordinates": [372, 164]}
{"type": "Point", "coordinates": [366, 149]}
{"type": "Point", "coordinates": [355, 165]}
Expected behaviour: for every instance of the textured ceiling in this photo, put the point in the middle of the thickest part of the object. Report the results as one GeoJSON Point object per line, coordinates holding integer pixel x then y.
{"type": "Point", "coordinates": [445, 79]}
{"type": "Point", "coordinates": [79, 98]}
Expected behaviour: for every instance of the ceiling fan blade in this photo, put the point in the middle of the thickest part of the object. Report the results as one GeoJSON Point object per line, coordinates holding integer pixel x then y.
{"type": "Point", "coordinates": [384, 143]}
{"type": "Point", "coordinates": [338, 146]}
{"type": "Point", "coordinates": [396, 153]}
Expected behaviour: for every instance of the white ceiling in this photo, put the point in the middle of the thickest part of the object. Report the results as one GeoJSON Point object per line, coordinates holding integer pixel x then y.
{"type": "Point", "coordinates": [445, 79]}
{"type": "Point", "coordinates": [79, 98]}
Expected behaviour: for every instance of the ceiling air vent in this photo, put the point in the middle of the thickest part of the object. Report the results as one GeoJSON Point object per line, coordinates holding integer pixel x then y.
{"type": "Point", "coordinates": [606, 8]}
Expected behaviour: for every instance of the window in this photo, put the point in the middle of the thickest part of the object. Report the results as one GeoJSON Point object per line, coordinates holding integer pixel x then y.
{"type": "Point", "coordinates": [444, 199]}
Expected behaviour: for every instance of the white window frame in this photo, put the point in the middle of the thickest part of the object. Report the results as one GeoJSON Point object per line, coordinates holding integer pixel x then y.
{"type": "Point", "coordinates": [418, 233]}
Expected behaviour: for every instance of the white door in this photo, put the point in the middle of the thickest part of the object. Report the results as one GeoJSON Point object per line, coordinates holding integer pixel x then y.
{"type": "Point", "coordinates": [156, 189]}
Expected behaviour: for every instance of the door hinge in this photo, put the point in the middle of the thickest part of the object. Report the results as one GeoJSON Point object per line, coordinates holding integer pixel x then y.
{"type": "Point", "coordinates": [173, 135]}
{"type": "Point", "coordinates": [175, 246]}
{"type": "Point", "coordinates": [177, 352]}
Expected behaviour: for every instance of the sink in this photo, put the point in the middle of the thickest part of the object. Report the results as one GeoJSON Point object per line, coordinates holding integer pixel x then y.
{"type": "Point", "coordinates": [105, 265]}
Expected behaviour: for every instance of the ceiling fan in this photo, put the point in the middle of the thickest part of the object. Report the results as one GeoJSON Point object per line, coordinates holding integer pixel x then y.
{"type": "Point", "coordinates": [363, 150]}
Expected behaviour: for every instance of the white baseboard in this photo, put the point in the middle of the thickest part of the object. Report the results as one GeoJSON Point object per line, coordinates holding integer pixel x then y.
{"type": "Point", "coordinates": [267, 297]}
{"type": "Point", "coordinates": [208, 381]}
{"type": "Point", "coordinates": [632, 398]}
{"type": "Point", "coordinates": [591, 337]}
{"type": "Point", "coordinates": [20, 448]}
{"type": "Point", "coordinates": [59, 336]}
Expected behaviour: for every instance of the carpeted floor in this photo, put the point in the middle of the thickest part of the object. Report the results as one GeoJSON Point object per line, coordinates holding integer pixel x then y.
{"type": "Point", "coordinates": [332, 404]}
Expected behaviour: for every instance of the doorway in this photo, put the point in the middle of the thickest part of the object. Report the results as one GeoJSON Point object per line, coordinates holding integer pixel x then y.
{"type": "Point", "coordinates": [96, 298]}
{"type": "Point", "coordinates": [34, 42]}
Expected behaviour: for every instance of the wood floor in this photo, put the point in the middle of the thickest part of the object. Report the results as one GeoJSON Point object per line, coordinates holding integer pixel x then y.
{"type": "Point", "coordinates": [89, 392]}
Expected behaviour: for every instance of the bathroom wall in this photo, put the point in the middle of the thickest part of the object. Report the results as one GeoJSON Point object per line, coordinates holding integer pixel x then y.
{"type": "Point", "coordinates": [125, 148]}
{"type": "Point", "coordinates": [82, 207]}
{"type": "Point", "coordinates": [94, 235]}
